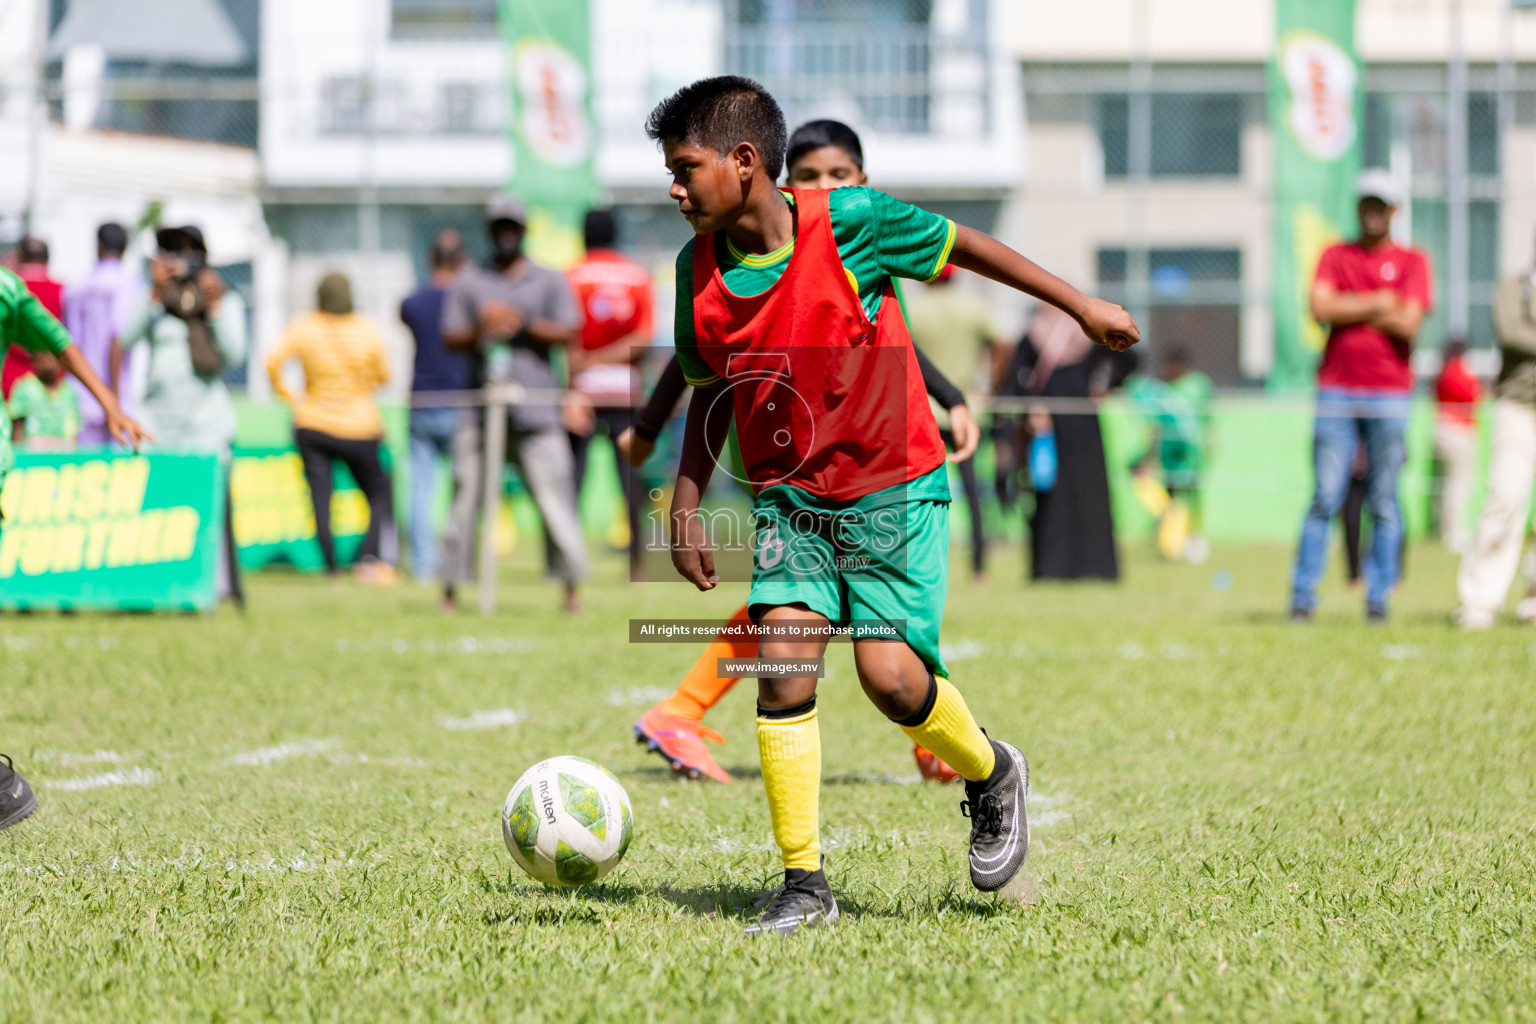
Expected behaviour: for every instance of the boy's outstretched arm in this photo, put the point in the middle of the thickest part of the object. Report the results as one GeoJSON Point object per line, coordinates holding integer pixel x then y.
{"type": "Point", "coordinates": [119, 425]}
{"type": "Point", "coordinates": [703, 441]}
{"type": "Point", "coordinates": [1104, 322]}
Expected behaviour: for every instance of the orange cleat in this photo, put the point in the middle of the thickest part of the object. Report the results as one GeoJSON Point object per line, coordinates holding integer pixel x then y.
{"type": "Point", "coordinates": [931, 768]}
{"type": "Point", "coordinates": [681, 741]}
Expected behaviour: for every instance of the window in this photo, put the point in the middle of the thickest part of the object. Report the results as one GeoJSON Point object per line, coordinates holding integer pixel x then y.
{"type": "Point", "coordinates": [1193, 135]}
{"type": "Point", "coordinates": [1195, 299]}
{"type": "Point", "coordinates": [442, 19]}
{"type": "Point", "coordinates": [343, 105]}
{"type": "Point", "coordinates": [459, 108]}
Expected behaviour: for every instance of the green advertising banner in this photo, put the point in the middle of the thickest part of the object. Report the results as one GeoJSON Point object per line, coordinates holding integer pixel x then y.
{"type": "Point", "coordinates": [275, 519]}
{"type": "Point", "coordinates": [1315, 106]}
{"type": "Point", "coordinates": [553, 136]}
{"type": "Point", "coordinates": [93, 530]}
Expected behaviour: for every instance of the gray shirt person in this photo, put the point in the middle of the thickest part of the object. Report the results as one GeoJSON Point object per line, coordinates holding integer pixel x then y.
{"type": "Point", "coordinates": [536, 294]}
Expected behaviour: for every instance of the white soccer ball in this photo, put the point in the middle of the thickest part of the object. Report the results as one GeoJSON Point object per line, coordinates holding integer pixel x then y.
{"type": "Point", "coordinates": [567, 821]}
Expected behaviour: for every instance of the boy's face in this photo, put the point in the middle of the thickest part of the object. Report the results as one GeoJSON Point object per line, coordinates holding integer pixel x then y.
{"type": "Point", "coordinates": [825, 167]}
{"type": "Point", "coordinates": [710, 189]}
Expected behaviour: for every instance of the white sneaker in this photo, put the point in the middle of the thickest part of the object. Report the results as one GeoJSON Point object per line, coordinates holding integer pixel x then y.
{"type": "Point", "coordinates": [1525, 611]}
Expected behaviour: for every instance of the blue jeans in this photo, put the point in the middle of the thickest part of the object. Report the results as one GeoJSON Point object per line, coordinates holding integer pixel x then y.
{"type": "Point", "coordinates": [431, 439]}
{"type": "Point", "coordinates": [1346, 418]}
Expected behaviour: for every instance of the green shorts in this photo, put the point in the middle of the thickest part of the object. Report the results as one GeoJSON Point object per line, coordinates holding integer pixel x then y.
{"type": "Point", "coordinates": [867, 568]}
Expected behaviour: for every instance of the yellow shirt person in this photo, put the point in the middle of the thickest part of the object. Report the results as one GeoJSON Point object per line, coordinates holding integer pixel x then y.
{"type": "Point", "coordinates": [342, 355]}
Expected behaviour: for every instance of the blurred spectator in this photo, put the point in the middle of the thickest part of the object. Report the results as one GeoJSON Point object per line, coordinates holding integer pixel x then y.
{"type": "Point", "coordinates": [45, 415]}
{"type": "Point", "coordinates": [1178, 403]}
{"type": "Point", "coordinates": [437, 368]}
{"type": "Point", "coordinates": [1373, 294]}
{"type": "Point", "coordinates": [953, 328]}
{"type": "Point", "coordinates": [1494, 555]}
{"type": "Point", "coordinates": [1353, 514]}
{"type": "Point", "coordinates": [614, 293]}
{"type": "Point", "coordinates": [516, 309]}
{"type": "Point", "coordinates": [97, 310]}
{"type": "Point", "coordinates": [1457, 393]}
{"type": "Point", "coordinates": [336, 419]}
{"type": "Point", "coordinates": [32, 268]}
{"type": "Point", "coordinates": [191, 328]}
{"type": "Point", "coordinates": [1072, 529]}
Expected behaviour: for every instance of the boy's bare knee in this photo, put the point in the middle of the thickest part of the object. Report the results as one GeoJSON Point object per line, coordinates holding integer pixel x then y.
{"type": "Point", "coordinates": [894, 678]}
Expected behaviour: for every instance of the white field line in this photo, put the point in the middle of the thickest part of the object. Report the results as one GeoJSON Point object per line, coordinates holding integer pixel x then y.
{"type": "Point", "coordinates": [122, 777]}
{"type": "Point", "coordinates": [283, 751]}
{"type": "Point", "coordinates": [484, 719]}
{"type": "Point", "coordinates": [636, 696]}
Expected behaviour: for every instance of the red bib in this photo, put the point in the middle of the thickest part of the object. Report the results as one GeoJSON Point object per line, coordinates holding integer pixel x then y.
{"type": "Point", "coordinates": [823, 399]}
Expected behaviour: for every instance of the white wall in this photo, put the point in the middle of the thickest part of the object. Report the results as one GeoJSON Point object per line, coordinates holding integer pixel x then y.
{"type": "Point", "coordinates": [21, 26]}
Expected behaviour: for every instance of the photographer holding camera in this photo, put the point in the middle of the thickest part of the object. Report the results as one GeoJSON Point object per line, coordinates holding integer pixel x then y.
{"type": "Point", "coordinates": [192, 327]}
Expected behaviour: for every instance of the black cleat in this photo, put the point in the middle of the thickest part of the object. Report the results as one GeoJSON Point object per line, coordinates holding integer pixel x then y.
{"type": "Point", "coordinates": [1376, 613]}
{"type": "Point", "coordinates": [806, 901]}
{"type": "Point", "coordinates": [1300, 613]}
{"type": "Point", "coordinates": [16, 799]}
{"type": "Point", "coordinates": [999, 823]}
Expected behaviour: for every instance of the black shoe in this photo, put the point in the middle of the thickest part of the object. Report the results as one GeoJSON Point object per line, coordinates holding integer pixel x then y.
{"type": "Point", "coordinates": [16, 799]}
{"type": "Point", "coordinates": [805, 901]}
{"type": "Point", "coordinates": [1376, 613]}
{"type": "Point", "coordinates": [999, 823]}
{"type": "Point", "coordinates": [1300, 614]}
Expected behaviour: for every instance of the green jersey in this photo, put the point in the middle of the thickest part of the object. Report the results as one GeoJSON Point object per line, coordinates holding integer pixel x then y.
{"type": "Point", "coordinates": [43, 412]}
{"type": "Point", "coordinates": [877, 237]}
{"type": "Point", "coordinates": [24, 322]}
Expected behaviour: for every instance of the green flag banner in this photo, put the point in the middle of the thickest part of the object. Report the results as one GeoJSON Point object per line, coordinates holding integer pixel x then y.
{"type": "Point", "coordinates": [1315, 105]}
{"type": "Point", "coordinates": [111, 530]}
{"type": "Point", "coordinates": [553, 136]}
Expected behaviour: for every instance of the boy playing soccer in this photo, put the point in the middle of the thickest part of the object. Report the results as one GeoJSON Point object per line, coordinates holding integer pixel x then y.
{"type": "Point", "coordinates": [786, 320]}
{"type": "Point", "coordinates": [821, 154]}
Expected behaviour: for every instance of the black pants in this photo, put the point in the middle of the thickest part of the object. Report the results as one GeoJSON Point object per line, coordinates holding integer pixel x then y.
{"type": "Point", "coordinates": [615, 422]}
{"type": "Point", "coordinates": [973, 503]}
{"type": "Point", "coordinates": [362, 460]}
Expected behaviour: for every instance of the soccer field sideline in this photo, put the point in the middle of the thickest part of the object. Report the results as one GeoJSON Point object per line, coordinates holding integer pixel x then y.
{"type": "Point", "coordinates": [292, 816]}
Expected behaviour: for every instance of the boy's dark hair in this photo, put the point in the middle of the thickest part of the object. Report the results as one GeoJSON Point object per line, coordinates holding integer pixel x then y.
{"type": "Point", "coordinates": [600, 230]}
{"type": "Point", "coordinates": [721, 113]}
{"type": "Point", "coordinates": [814, 134]}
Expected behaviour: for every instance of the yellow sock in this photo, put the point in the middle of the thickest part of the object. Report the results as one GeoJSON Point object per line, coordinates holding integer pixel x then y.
{"type": "Point", "coordinates": [790, 749]}
{"type": "Point", "coordinates": [950, 732]}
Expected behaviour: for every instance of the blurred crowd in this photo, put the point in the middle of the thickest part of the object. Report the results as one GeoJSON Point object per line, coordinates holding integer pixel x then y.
{"type": "Point", "coordinates": [574, 341]}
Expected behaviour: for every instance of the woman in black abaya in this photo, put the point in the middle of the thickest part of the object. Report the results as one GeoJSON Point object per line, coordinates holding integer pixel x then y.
{"type": "Point", "coordinates": [1072, 529]}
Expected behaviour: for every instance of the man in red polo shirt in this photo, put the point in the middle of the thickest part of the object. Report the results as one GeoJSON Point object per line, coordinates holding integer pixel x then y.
{"type": "Point", "coordinates": [617, 314]}
{"type": "Point", "coordinates": [1373, 294]}
{"type": "Point", "coordinates": [32, 268]}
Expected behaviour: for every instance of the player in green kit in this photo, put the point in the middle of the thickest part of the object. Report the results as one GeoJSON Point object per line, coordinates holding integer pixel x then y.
{"type": "Point", "coordinates": [24, 322]}
{"type": "Point", "coordinates": [787, 322]}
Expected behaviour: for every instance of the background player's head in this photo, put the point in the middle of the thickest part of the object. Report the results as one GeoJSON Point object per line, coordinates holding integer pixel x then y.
{"type": "Point", "coordinates": [47, 367]}
{"type": "Point", "coordinates": [825, 154]}
{"type": "Point", "coordinates": [723, 139]}
{"type": "Point", "coordinates": [600, 230]}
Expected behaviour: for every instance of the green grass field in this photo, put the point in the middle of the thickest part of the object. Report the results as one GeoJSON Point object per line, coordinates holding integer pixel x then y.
{"type": "Point", "coordinates": [294, 815]}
